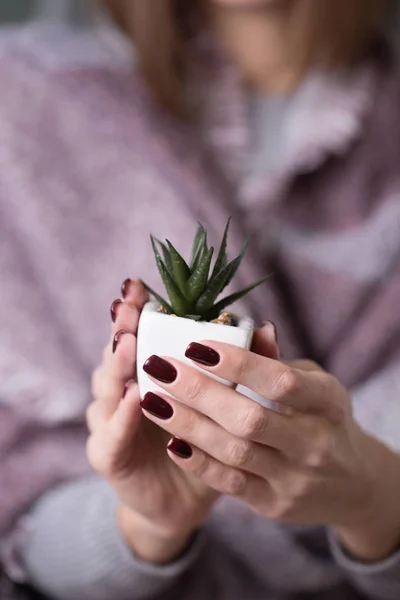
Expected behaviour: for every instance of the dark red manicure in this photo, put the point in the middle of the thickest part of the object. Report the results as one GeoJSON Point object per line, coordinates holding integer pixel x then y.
{"type": "Point", "coordinates": [202, 354]}
{"type": "Point", "coordinates": [114, 309]}
{"type": "Point", "coordinates": [157, 406]}
{"type": "Point", "coordinates": [128, 386]}
{"type": "Point", "coordinates": [125, 287]}
{"type": "Point", "coordinates": [117, 339]}
{"type": "Point", "coordinates": [160, 369]}
{"type": "Point", "coordinates": [180, 448]}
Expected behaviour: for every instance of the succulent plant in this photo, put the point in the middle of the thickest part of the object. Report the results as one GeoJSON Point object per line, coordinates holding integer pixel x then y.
{"type": "Point", "coordinates": [193, 289]}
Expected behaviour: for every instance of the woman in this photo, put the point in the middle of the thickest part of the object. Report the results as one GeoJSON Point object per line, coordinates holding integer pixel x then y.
{"type": "Point", "coordinates": [285, 115]}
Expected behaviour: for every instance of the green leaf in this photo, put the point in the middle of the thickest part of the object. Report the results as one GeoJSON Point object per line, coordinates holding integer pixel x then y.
{"type": "Point", "coordinates": [199, 277]}
{"type": "Point", "coordinates": [200, 242]}
{"type": "Point", "coordinates": [166, 256]}
{"type": "Point", "coordinates": [221, 261]}
{"type": "Point", "coordinates": [218, 308]}
{"type": "Point", "coordinates": [159, 298]}
{"type": "Point", "coordinates": [237, 261]}
{"type": "Point", "coordinates": [180, 270]}
{"type": "Point", "coordinates": [200, 256]}
{"type": "Point", "coordinates": [219, 282]}
{"type": "Point", "coordinates": [178, 302]}
{"type": "Point", "coordinates": [156, 254]}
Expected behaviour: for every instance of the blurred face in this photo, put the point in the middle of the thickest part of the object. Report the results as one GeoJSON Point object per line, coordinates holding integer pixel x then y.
{"type": "Point", "coordinates": [245, 3]}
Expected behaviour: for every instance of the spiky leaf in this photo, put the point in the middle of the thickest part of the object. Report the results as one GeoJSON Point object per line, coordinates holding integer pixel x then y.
{"type": "Point", "coordinates": [218, 283]}
{"type": "Point", "coordinates": [191, 292]}
{"type": "Point", "coordinates": [239, 261]}
{"type": "Point", "coordinates": [180, 269]}
{"type": "Point", "coordinates": [178, 301]}
{"type": "Point", "coordinates": [200, 256]}
{"type": "Point", "coordinates": [159, 298]}
{"type": "Point", "coordinates": [166, 256]}
{"type": "Point", "coordinates": [199, 277]}
{"type": "Point", "coordinates": [221, 261]}
{"type": "Point", "coordinates": [218, 308]}
{"type": "Point", "coordinates": [200, 243]}
{"type": "Point", "coordinates": [156, 254]}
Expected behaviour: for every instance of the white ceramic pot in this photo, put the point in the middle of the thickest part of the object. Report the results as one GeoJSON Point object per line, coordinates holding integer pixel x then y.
{"type": "Point", "coordinates": [167, 335]}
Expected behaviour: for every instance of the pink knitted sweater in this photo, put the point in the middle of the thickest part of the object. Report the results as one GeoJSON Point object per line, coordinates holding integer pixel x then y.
{"type": "Point", "coordinates": [89, 167]}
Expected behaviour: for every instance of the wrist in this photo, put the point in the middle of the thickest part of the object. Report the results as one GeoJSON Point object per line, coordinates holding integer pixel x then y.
{"type": "Point", "coordinates": [149, 543]}
{"type": "Point", "coordinates": [374, 532]}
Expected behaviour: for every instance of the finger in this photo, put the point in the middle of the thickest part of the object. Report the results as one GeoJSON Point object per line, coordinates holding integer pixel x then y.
{"type": "Point", "coordinates": [265, 342]}
{"type": "Point", "coordinates": [200, 431]}
{"type": "Point", "coordinates": [271, 379]}
{"type": "Point", "coordinates": [124, 316]}
{"type": "Point", "coordinates": [118, 367]}
{"type": "Point", "coordinates": [233, 411]}
{"type": "Point", "coordinates": [127, 418]}
{"type": "Point", "coordinates": [120, 356]}
{"type": "Point", "coordinates": [247, 487]}
{"type": "Point", "coordinates": [110, 449]}
{"type": "Point", "coordinates": [304, 365]}
{"type": "Point", "coordinates": [97, 382]}
{"type": "Point", "coordinates": [94, 417]}
{"type": "Point", "coordinates": [134, 293]}
{"type": "Point", "coordinates": [106, 391]}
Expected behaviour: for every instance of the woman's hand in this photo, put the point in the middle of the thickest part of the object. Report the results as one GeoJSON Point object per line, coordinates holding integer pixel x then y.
{"type": "Point", "coordinates": [309, 463]}
{"type": "Point", "coordinates": [161, 505]}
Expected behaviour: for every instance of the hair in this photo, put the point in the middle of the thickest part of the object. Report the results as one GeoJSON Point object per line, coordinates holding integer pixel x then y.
{"type": "Point", "coordinates": [328, 33]}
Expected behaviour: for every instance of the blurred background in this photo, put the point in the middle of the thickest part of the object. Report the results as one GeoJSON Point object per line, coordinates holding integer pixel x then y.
{"type": "Point", "coordinates": [76, 11]}
{"type": "Point", "coordinates": [14, 11]}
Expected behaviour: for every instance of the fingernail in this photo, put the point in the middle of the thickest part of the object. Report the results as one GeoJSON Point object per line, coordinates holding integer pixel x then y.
{"type": "Point", "coordinates": [114, 309]}
{"type": "Point", "coordinates": [202, 354]}
{"type": "Point", "coordinates": [125, 287]}
{"type": "Point", "coordinates": [117, 339]}
{"type": "Point", "coordinates": [160, 369]}
{"type": "Point", "coordinates": [274, 334]}
{"type": "Point", "coordinates": [128, 386]}
{"type": "Point", "coordinates": [180, 448]}
{"type": "Point", "coordinates": [157, 406]}
{"type": "Point", "coordinates": [272, 327]}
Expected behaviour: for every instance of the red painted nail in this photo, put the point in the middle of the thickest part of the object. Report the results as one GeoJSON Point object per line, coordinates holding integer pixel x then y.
{"type": "Point", "coordinates": [180, 448]}
{"type": "Point", "coordinates": [114, 309]}
{"type": "Point", "coordinates": [202, 354]}
{"type": "Point", "coordinates": [117, 339]}
{"type": "Point", "coordinates": [125, 287]}
{"type": "Point", "coordinates": [127, 387]}
{"type": "Point", "coordinates": [157, 406]}
{"type": "Point", "coordinates": [160, 369]}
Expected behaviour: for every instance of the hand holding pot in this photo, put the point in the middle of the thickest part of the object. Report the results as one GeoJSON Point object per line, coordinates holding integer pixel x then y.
{"type": "Point", "coordinates": [309, 464]}
{"type": "Point", "coordinates": [161, 506]}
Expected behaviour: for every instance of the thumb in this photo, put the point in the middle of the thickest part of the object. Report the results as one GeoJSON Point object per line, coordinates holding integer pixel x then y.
{"type": "Point", "coordinates": [265, 341]}
{"type": "Point", "coordinates": [134, 293]}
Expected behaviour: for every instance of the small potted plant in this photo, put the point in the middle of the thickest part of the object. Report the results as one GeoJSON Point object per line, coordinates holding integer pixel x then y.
{"type": "Point", "coordinates": [193, 312]}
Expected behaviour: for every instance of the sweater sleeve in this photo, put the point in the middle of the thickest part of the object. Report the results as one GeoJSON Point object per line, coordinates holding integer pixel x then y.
{"type": "Point", "coordinates": [82, 555]}
{"type": "Point", "coordinates": [378, 581]}
{"type": "Point", "coordinates": [377, 406]}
